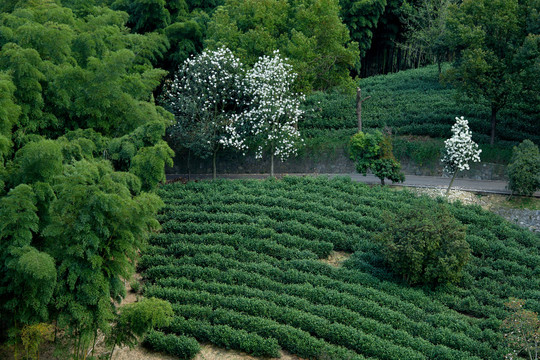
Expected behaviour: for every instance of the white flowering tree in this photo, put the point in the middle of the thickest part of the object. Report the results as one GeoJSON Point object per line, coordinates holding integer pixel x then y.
{"type": "Point", "coordinates": [204, 96]}
{"type": "Point", "coordinates": [269, 123]}
{"type": "Point", "coordinates": [459, 150]}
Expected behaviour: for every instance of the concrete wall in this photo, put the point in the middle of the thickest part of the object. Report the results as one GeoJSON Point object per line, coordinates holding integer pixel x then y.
{"type": "Point", "coordinates": [329, 161]}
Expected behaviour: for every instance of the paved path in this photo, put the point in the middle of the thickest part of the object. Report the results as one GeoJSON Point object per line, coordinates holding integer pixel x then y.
{"type": "Point", "coordinates": [479, 186]}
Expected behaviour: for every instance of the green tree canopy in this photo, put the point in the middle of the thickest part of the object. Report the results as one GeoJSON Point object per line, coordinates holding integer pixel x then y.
{"type": "Point", "coordinates": [425, 244]}
{"type": "Point", "coordinates": [309, 32]}
{"type": "Point", "coordinates": [76, 115]}
{"type": "Point", "coordinates": [524, 169]}
{"type": "Point", "coordinates": [489, 36]}
{"type": "Point", "coordinates": [72, 72]}
{"type": "Point", "coordinates": [97, 226]}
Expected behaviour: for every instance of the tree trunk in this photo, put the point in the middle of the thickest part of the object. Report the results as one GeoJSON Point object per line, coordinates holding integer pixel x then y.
{"type": "Point", "coordinates": [214, 171]}
{"type": "Point", "coordinates": [493, 124]}
{"type": "Point", "coordinates": [451, 182]}
{"type": "Point", "coordinates": [399, 59]}
{"type": "Point", "coordinates": [189, 164]}
{"type": "Point", "coordinates": [114, 345]}
{"type": "Point", "coordinates": [272, 164]}
{"type": "Point", "coordinates": [359, 108]}
{"type": "Point", "coordinates": [359, 102]}
{"type": "Point", "coordinates": [94, 343]}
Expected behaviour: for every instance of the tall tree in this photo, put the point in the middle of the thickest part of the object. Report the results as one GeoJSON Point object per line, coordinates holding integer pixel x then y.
{"type": "Point", "coordinates": [362, 18]}
{"type": "Point", "coordinates": [426, 27]}
{"type": "Point", "coordinates": [487, 36]}
{"type": "Point", "coordinates": [269, 123]}
{"type": "Point", "coordinates": [76, 106]}
{"type": "Point", "coordinates": [203, 96]}
{"type": "Point", "coordinates": [309, 33]}
{"type": "Point", "coordinates": [99, 220]}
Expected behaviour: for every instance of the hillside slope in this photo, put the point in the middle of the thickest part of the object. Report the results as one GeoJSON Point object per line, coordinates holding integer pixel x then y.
{"type": "Point", "coordinates": [414, 102]}
{"type": "Point", "coordinates": [240, 261]}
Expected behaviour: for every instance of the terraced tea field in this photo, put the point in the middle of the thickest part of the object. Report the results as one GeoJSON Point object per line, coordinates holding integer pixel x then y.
{"type": "Point", "coordinates": [241, 263]}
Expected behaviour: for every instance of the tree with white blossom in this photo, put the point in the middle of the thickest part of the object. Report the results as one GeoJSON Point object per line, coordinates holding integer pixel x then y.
{"type": "Point", "coordinates": [269, 123]}
{"type": "Point", "coordinates": [205, 96]}
{"type": "Point", "coordinates": [459, 150]}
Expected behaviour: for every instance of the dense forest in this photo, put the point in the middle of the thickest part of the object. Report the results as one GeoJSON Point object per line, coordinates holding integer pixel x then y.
{"type": "Point", "coordinates": [87, 124]}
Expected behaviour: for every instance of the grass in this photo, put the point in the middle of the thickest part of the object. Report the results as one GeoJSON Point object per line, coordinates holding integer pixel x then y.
{"type": "Point", "coordinates": [522, 202]}
{"type": "Point", "coordinates": [241, 263]}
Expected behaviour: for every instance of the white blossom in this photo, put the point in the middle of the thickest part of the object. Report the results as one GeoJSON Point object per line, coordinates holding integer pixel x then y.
{"type": "Point", "coordinates": [204, 96]}
{"type": "Point", "coordinates": [460, 148]}
{"type": "Point", "coordinates": [271, 115]}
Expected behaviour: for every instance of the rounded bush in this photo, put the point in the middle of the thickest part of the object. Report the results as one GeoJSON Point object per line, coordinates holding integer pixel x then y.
{"type": "Point", "coordinates": [426, 245]}
{"type": "Point", "coordinates": [524, 169]}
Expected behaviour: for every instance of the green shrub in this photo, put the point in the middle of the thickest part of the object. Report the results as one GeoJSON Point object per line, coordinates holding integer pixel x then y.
{"type": "Point", "coordinates": [135, 286]}
{"type": "Point", "coordinates": [426, 245]}
{"type": "Point", "coordinates": [373, 151]}
{"type": "Point", "coordinates": [524, 169]}
{"type": "Point", "coordinates": [182, 346]}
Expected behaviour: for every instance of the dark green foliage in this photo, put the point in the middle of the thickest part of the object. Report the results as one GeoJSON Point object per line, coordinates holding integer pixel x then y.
{"type": "Point", "coordinates": [24, 67]}
{"type": "Point", "coordinates": [487, 36]}
{"type": "Point", "coordinates": [238, 261]}
{"type": "Point", "coordinates": [426, 28]}
{"type": "Point", "coordinates": [144, 15]}
{"type": "Point", "coordinates": [182, 346]}
{"type": "Point", "coordinates": [362, 18]}
{"type": "Point", "coordinates": [101, 226]}
{"type": "Point", "coordinates": [9, 114]}
{"type": "Point", "coordinates": [76, 104]}
{"type": "Point", "coordinates": [373, 151]}
{"type": "Point", "coordinates": [149, 164]}
{"type": "Point", "coordinates": [227, 337]}
{"type": "Point", "coordinates": [308, 32]}
{"type": "Point", "coordinates": [32, 278]}
{"type": "Point", "coordinates": [186, 38]}
{"type": "Point", "coordinates": [426, 245]}
{"type": "Point", "coordinates": [413, 102]}
{"type": "Point", "coordinates": [75, 72]}
{"type": "Point", "coordinates": [29, 276]}
{"type": "Point", "coordinates": [135, 320]}
{"type": "Point", "coordinates": [19, 218]}
{"type": "Point", "coordinates": [38, 161]}
{"type": "Point", "coordinates": [524, 169]}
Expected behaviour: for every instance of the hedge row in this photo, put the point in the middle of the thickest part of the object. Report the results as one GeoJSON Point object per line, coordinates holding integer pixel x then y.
{"type": "Point", "coordinates": [294, 340]}
{"type": "Point", "coordinates": [331, 313]}
{"type": "Point", "coordinates": [182, 346]}
{"type": "Point", "coordinates": [243, 235]}
{"type": "Point", "coordinates": [256, 243]}
{"type": "Point", "coordinates": [365, 307]}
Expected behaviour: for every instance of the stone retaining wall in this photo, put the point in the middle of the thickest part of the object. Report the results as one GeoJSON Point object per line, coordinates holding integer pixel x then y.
{"type": "Point", "coordinates": [525, 218]}
{"type": "Point", "coordinates": [329, 161]}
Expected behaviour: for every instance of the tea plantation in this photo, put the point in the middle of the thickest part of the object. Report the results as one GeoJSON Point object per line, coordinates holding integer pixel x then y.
{"type": "Point", "coordinates": [240, 262]}
{"type": "Point", "coordinates": [414, 102]}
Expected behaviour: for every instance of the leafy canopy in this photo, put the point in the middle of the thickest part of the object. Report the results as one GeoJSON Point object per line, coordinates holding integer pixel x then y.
{"type": "Point", "coordinates": [425, 244]}
{"type": "Point", "coordinates": [308, 32]}
{"type": "Point", "coordinates": [524, 169]}
{"type": "Point", "coordinates": [488, 37]}
{"type": "Point", "coordinates": [373, 151]}
{"type": "Point", "coordinates": [80, 146]}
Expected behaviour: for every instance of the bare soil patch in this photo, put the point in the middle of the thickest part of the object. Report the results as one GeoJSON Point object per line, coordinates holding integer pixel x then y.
{"type": "Point", "coordinates": [336, 258]}
{"type": "Point", "coordinates": [211, 352]}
